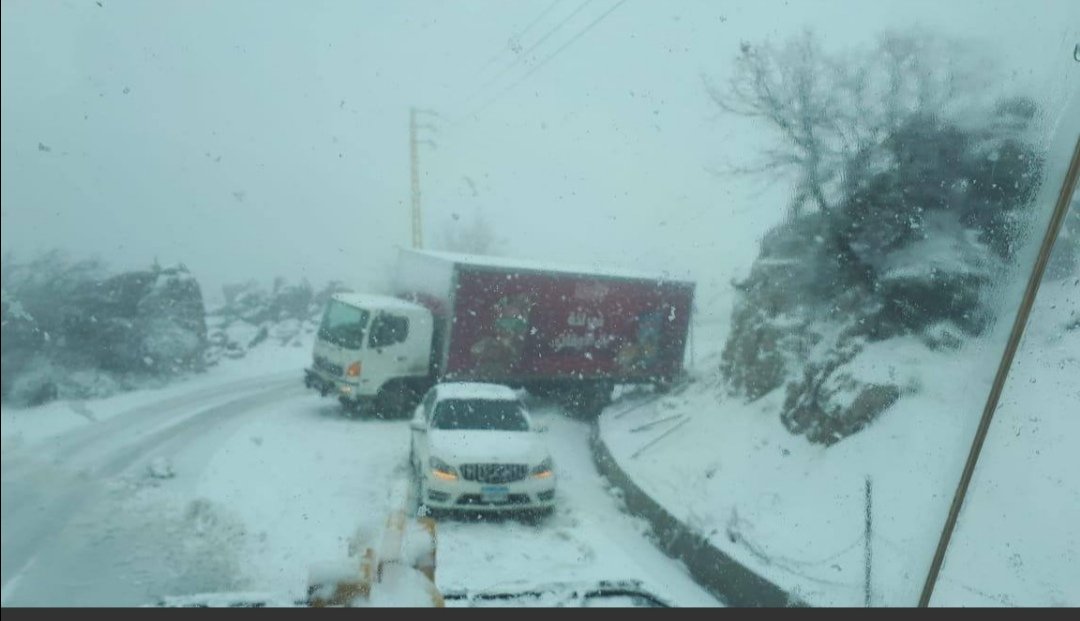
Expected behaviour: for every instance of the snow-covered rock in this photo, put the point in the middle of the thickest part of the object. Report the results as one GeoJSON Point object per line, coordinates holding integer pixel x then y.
{"type": "Point", "coordinates": [160, 468]}
{"type": "Point", "coordinates": [282, 314]}
{"type": "Point", "coordinates": [71, 332]}
{"type": "Point", "coordinates": [912, 250]}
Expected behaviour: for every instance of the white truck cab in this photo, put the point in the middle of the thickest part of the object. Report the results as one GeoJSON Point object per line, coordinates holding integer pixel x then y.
{"type": "Point", "coordinates": [372, 350]}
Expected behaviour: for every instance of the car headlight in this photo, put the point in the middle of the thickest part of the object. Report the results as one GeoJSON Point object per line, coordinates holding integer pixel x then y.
{"type": "Point", "coordinates": [442, 470]}
{"type": "Point", "coordinates": [544, 470]}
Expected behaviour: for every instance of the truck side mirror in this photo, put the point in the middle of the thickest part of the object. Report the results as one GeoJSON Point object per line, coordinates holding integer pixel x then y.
{"type": "Point", "coordinates": [541, 428]}
{"type": "Point", "coordinates": [417, 425]}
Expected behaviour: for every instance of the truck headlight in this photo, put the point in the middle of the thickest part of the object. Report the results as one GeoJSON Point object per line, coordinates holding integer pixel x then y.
{"type": "Point", "coordinates": [544, 470]}
{"type": "Point", "coordinates": [442, 470]}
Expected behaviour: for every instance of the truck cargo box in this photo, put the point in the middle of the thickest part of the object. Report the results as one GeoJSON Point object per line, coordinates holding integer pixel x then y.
{"type": "Point", "coordinates": [520, 322]}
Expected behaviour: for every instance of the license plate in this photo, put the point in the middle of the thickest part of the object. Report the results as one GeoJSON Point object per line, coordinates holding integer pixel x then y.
{"type": "Point", "coordinates": [494, 493]}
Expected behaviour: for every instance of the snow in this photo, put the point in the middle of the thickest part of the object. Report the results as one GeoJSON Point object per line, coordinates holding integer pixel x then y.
{"type": "Point", "coordinates": [237, 483]}
{"type": "Point", "coordinates": [401, 587]}
{"type": "Point", "coordinates": [15, 308]}
{"type": "Point", "coordinates": [536, 266]}
{"type": "Point", "coordinates": [27, 425]}
{"type": "Point", "coordinates": [268, 482]}
{"type": "Point", "coordinates": [475, 390]}
{"type": "Point", "coordinates": [588, 539]}
{"type": "Point", "coordinates": [1017, 540]}
{"type": "Point", "coordinates": [944, 249]}
{"type": "Point", "coordinates": [377, 302]}
{"type": "Point", "coordinates": [794, 511]}
{"type": "Point", "coordinates": [418, 545]}
{"type": "Point", "coordinates": [160, 468]}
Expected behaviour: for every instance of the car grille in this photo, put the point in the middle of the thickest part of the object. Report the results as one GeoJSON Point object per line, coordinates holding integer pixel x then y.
{"type": "Point", "coordinates": [476, 500]}
{"type": "Point", "coordinates": [494, 473]}
{"type": "Point", "coordinates": [324, 365]}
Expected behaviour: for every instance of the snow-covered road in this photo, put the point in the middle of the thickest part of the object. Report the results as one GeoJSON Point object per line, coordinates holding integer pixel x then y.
{"type": "Point", "coordinates": [247, 485]}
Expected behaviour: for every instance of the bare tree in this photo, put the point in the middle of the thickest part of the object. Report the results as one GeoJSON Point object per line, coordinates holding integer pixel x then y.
{"type": "Point", "coordinates": [832, 112]}
{"type": "Point", "coordinates": [790, 89]}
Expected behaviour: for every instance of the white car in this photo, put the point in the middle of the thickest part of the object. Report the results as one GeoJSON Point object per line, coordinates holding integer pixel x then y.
{"type": "Point", "coordinates": [475, 448]}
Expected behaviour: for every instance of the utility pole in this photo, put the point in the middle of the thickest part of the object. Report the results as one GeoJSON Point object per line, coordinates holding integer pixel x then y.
{"type": "Point", "coordinates": [869, 541]}
{"type": "Point", "coordinates": [414, 162]}
{"type": "Point", "coordinates": [1053, 228]}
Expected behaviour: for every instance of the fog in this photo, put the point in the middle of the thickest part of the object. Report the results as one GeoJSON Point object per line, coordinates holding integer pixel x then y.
{"type": "Point", "coordinates": [255, 139]}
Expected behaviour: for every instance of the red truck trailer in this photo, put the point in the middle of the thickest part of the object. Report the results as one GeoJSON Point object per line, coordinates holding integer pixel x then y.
{"type": "Point", "coordinates": [571, 331]}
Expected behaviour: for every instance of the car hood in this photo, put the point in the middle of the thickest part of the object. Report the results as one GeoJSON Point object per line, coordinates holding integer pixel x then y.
{"type": "Point", "coordinates": [488, 447]}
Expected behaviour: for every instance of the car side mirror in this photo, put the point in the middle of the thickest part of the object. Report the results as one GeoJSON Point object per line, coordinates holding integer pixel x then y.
{"type": "Point", "coordinates": [417, 425]}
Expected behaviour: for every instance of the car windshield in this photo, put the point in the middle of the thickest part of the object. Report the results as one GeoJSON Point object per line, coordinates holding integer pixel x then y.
{"type": "Point", "coordinates": [702, 303]}
{"type": "Point", "coordinates": [479, 415]}
{"type": "Point", "coordinates": [344, 325]}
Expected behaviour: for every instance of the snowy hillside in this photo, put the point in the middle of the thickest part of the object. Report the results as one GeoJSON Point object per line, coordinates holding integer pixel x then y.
{"type": "Point", "coordinates": [854, 371]}
{"type": "Point", "coordinates": [252, 315]}
{"type": "Point", "coordinates": [73, 331]}
{"type": "Point", "coordinates": [794, 511]}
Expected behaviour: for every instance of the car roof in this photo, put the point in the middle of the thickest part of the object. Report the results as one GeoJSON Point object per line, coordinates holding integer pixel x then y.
{"type": "Point", "coordinates": [475, 390]}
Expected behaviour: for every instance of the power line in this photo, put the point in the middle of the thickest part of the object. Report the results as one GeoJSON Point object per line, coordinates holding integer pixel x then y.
{"type": "Point", "coordinates": [519, 35]}
{"type": "Point", "coordinates": [580, 34]}
{"type": "Point", "coordinates": [526, 53]}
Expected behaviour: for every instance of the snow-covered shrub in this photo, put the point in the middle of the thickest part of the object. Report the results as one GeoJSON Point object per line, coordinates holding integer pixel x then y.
{"type": "Point", "coordinates": [20, 338]}
{"type": "Point", "coordinates": [929, 209]}
{"type": "Point", "coordinates": [252, 314]}
{"type": "Point", "coordinates": [69, 331]}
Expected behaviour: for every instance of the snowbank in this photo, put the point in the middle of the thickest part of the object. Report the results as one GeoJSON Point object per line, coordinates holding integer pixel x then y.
{"type": "Point", "coordinates": [794, 512]}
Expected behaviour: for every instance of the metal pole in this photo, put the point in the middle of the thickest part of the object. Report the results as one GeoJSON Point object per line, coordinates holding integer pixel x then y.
{"type": "Point", "coordinates": [1026, 302]}
{"type": "Point", "coordinates": [869, 540]}
{"type": "Point", "coordinates": [414, 161]}
{"type": "Point", "coordinates": [693, 358]}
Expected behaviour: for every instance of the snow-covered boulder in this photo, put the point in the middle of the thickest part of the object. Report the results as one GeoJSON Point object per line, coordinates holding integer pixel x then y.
{"type": "Point", "coordinates": [70, 332]}
{"type": "Point", "coordinates": [20, 337]}
{"type": "Point", "coordinates": [911, 251]}
{"type": "Point", "coordinates": [282, 314]}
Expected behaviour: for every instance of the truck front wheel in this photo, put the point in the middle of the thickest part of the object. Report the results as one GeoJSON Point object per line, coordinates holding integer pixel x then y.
{"type": "Point", "coordinates": [396, 399]}
{"type": "Point", "coordinates": [353, 408]}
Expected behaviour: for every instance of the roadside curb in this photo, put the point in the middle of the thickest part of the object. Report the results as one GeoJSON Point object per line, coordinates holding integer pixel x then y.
{"type": "Point", "coordinates": [714, 570]}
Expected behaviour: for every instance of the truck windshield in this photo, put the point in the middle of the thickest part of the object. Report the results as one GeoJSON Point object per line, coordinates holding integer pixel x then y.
{"type": "Point", "coordinates": [344, 325]}
{"type": "Point", "coordinates": [479, 414]}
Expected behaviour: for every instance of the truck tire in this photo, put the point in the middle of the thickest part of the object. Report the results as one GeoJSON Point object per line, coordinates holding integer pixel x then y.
{"type": "Point", "coordinates": [588, 401]}
{"type": "Point", "coordinates": [351, 408]}
{"type": "Point", "coordinates": [396, 399]}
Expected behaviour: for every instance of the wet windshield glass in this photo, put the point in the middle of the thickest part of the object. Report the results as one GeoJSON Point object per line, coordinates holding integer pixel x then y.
{"type": "Point", "coordinates": [788, 294]}
{"type": "Point", "coordinates": [344, 325]}
{"type": "Point", "coordinates": [479, 415]}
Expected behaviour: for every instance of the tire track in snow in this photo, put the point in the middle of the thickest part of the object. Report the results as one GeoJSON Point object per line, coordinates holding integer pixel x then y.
{"type": "Point", "coordinates": [64, 449]}
{"type": "Point", "coordinates": [30, 520]}
{"type": "Point", "coordinates": [77, 442]}
{"type": "Point", "coordinates": [591, 537]}
{"type": "Point", "coordinates": [193, 427]}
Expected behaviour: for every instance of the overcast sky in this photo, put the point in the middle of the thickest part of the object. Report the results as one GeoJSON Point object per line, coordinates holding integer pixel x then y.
{"type": "Point", "coordinates": [252, 139]}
